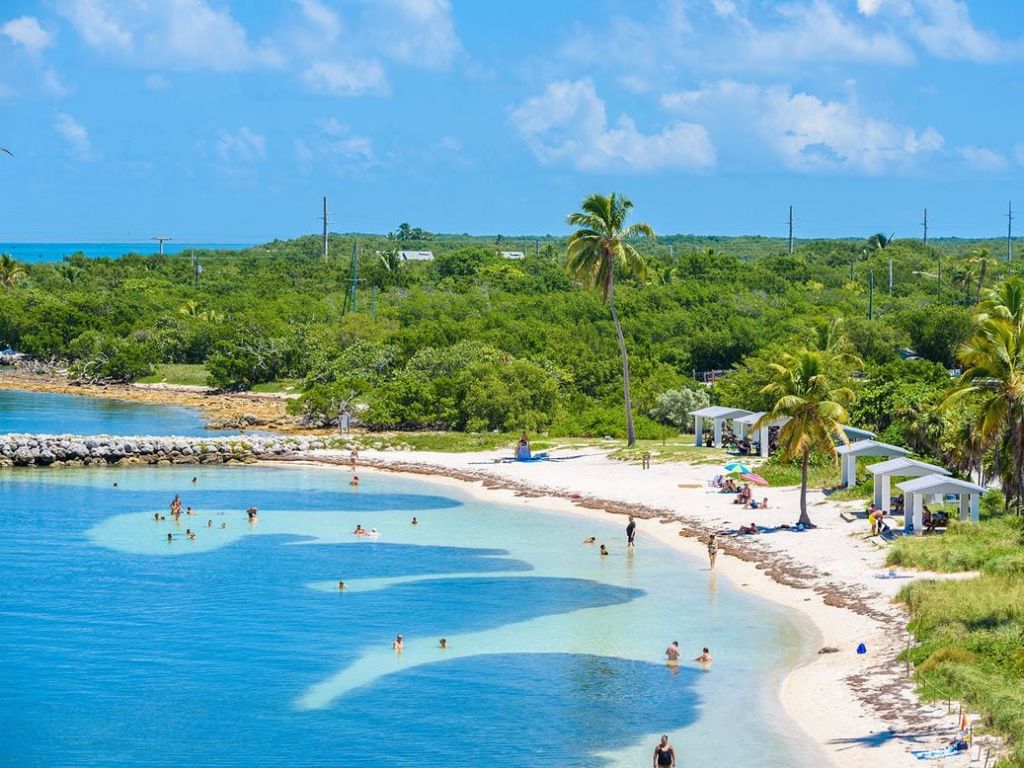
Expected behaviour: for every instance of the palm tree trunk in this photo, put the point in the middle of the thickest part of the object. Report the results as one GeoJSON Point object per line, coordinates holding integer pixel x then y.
{"type": "Point", "coordinates": [804, 517]}
{"type": "Point", "coordinates": [630, 430]}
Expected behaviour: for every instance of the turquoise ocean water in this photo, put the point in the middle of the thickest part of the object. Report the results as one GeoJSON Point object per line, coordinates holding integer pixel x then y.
{"type": "Point", "coordinates": [33, 252]}
{"type": "Point", "coordinates": [118, 647]}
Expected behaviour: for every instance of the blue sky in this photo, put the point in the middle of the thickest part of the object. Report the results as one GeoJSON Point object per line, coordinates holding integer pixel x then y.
{"type": "Point", "coordinates": [219, 121]}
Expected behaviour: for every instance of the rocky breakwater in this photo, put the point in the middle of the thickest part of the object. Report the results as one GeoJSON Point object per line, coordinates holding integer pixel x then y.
{"type": "Point", "coordinates": [77, 450]}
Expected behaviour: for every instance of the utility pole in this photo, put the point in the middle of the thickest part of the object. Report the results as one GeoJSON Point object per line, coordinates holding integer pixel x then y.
{"type": "Point", "coordinates": [871, 295]}
{"type": "Point", "coordinates": [1009, 232]}
{"type": "Point", "coordinates": [890, 276]}
{"type": "Point", "coordinates": [325, 216]}
{"type": "Point", "coordinates": [925, 225]}
{"type": "Point", "coordinates": [197, 272]}
{"type": "Point", "coordinates": [351, 298]}
{"type": "Point", "coordinates": [161, 240]}
{"type": "Point", "coordinates": [671, 251]}
{"type": "Point", "coordinates": [791, 229]}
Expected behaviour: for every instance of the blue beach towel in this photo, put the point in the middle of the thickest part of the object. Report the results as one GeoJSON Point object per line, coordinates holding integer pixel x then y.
{"type": "Point", "coordinates": [928, 754]}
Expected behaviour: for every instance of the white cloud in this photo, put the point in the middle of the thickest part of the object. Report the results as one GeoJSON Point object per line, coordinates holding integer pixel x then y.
{"type": "Point", "coordinates": [983, 158]}
{"type": "Point", "coordinates": [336, 144]}
{"type": "Point", "coordinates": [945, 29]}
{"type": "Point", "coordinates": [808, 133]}
{"type": "Point", "coordinates": [157, 82]}
{"type": "Point", "coordinates": [324, 18]}
{"type": "Point", "coordinates": [75, 134]}
{"type": "Point", "coordinates": [242, 146]}
{"type": "Point", "coordinates": [346, 78]}
{"type": "Point", "coordinates": [178, 34]}
{"type": "Point", "coordinates": [1018, 153]}
{"type": "Point", "coordinates": [53, 83]}
{"type": "Point", "coordinates": [420, 33]}
{"type": "Point", "coordinates": [27, 32]}
{"type": "Point", "coordinates": [568, 124]}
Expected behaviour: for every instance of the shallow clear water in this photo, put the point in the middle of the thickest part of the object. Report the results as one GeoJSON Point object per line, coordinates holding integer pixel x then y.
{"type": "Point", "coordinates": [47, 413]}
{"type": "Point", "coordinates": [34, 252]}
{"type": "Point", "coordinates": [119, 648]}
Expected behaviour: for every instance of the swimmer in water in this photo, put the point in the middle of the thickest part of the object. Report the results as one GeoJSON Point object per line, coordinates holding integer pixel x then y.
{"type": "Point", "coordinates": [359, 531]}
{"type": "Point", "coordinates": [354, 482]}
{"type": "Point", "coordinates": [604, 550]}
{"type": "Point", "coordinates": [589, 540]}
{"type": "Point", "coordinates": [223, 525]}
{"type": "Point", "coordinates": [341, 585]}
{"type": "Point", "coordinates": [442, 644]}
{"type": "Point", "coordinates": [253, 514]}
{"type": "Point", "coordinates": [705, 657]}
{"type": "Point", "coordinates": [190, 533]}
{"type": "Point", "coordinates": [398, 645]}
{"type": "Point", "coordinates": [115, 485]}
{"type": "Point", "coordinates": [415, 521]}
{"type": "Point", "coordinates": [170, 537]}
{"type": "Point", "coordinates": [189, 512]}
{"type": "Point", "coordinates": [209, 523]}
{"type": "Point", "coordinates": [194, 480]}
{"type": "Point", "coordinates": [672, 652]}
{"type": "Point", "coordinates": [156, 516]}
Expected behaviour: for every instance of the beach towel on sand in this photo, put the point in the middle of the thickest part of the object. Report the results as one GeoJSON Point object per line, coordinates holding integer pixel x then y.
{"type": "Point", "coordinates": [928, 754]}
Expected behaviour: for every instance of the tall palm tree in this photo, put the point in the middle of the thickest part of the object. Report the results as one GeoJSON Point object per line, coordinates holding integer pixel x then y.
{"type": "Point", "coordinates": [879, 241]}
{"type": "Point", "coordinates": [10, 272]}
{"type": "Point", "coordinates": [599, 247]}
{"type": "Point", "coordinates": [805, 393]}
{"type": "Point", "coordinates": [980, 259]}
{"type": "Point", "coordinates": [993, 378]}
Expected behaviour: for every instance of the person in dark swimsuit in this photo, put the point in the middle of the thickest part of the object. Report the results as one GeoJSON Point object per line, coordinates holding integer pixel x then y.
{"type": "Point", "coordinates": [664, 755]}
{"type": "Point", "coordinates": [631, 532]}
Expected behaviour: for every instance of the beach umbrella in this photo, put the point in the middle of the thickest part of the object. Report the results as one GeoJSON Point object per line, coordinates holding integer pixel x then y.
{"type": "Point", "coordinates": [737, 466]}
{"type": "Point", "coordinates": [754, 478]}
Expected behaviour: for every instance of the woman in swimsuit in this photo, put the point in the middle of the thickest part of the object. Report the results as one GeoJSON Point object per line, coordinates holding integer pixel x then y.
{"type": "Point", "coordinates": [712, 549]}
{"type": "Point", "coordinates": [664, 755]}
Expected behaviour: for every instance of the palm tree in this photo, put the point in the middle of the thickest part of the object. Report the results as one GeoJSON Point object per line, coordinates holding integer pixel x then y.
{"type": "Point", "coordinates": [980, 259]}
{"type": "Point", "coordinates": [10, 272]}
{"type": "Point", "coordinates": [880, 242]}
{"type": "Point", "coordinates": [805, 393]}
{"type": "Point", "coordinates": [993, 378]}
{"type": "Point", "coordinates": [595, 251]}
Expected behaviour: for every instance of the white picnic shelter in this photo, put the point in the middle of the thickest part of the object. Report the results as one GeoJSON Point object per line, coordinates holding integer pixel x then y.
{"type": "Point", "coordinates": [850, 453]}
{"type": "Point", "coordinates": [747, 422]}
{"type": "Point", "coordinates": [853, 433]}
{"type": "Point", "coordinates": [914, 492]}
{"type": "Point", "coordinates": [901, 466]}
{"type": "Point", "coordinates": [719, 414]}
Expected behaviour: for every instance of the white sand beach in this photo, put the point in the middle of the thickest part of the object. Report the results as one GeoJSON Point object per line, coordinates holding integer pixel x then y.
{"type": "Point", "coordinates": [859, 709]}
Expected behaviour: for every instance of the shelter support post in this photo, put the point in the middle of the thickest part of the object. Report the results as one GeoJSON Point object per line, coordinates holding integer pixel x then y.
{"type": "Point", "coordinates": [698, 431]}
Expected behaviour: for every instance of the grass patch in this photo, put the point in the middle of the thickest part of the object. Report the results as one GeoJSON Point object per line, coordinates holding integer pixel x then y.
{"type": "Point", "coordinates": [863, 491]}
{"type": "Point", "coordinates": [779, 473]}
{"type": "Point", "coordinates": [994, 546]}
{"type": "Point", "coordinates": [971, 647]}
{"type": "Point", "coordinates": [177, 373]}
{"type": "Point", "coordinates": [444, 442]}
{"type": "Point", "coordinates": [282, 386]}
{"type": "Point", "coordinates": [680, 448]}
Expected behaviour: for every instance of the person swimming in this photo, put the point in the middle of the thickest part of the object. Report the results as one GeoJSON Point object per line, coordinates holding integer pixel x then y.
{"type": "Point", "coordinates": [253, 514]}
{"type": "Point", "coordinates": [194, 479]}
{"type": "Point", "coordinates": [672, 652]}
{"type": "Point", "coordinates": [170, 537]}
{"type": "Point", "coordinates": [341, 585]}
{"type": "Point", "coordinates": [415, 521]}
{"type": "Point", "coordinates": [359, 531]}
{"type": "Point", "coordinates": [156, 516]}
{"type": "Point", "coordinates": [705, 657]}
{"type": "Point", "coordinates": [354, 481]}
{"type": "Point", "coordinates": [589, 540]}
{"type": "Point", "coordinates": [442, 643]}
{"type": "Point", "coordinates": [209, 523]}
{"type": "Point", "coordinates": [399, 644]}
{"type": "Point", "coordinates": [189, 511]}
{"type": "Point", "coordinates": [604, 550]}
{"type": "Point", "coordinates": [223, 526]}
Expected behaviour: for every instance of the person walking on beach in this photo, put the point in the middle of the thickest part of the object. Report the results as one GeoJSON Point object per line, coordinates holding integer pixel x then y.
{"type": "Point", "coordinates": [631, 532]}
{"type": "Point", "coordinates": [713, 549]}
{"type": "Point", "coordinates": [664, 755]}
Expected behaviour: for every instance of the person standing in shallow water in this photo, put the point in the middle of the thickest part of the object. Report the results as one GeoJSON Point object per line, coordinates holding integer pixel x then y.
{"type": "Point", "coordinates": [631, 532]}
{"type": "Point", "coordinates": [664, 754]}
{"type": "Point", "coordinates": [713, 549]}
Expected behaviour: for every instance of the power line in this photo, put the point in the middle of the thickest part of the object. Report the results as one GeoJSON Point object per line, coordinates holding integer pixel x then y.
{"type": "Point", "coordinates": [161, 240]}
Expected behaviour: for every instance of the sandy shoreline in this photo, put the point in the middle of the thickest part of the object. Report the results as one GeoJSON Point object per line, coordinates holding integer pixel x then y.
{"type": "Point", "coordinates": [859, 710]}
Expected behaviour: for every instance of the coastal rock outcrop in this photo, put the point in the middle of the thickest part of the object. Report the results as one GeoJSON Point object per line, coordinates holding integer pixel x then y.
{"type": "Point", "coordinates": [75, 450]}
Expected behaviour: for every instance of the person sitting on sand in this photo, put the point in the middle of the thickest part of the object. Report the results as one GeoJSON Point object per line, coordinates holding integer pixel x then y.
{"type": "Point", "coordinates": [604, 550]}
{"type": "Point", "coordinates": [705, 657]}
{"type": "Point", "coordinates": [749, 529]}
{"type": "Point", "coordinates": [522, 450]}
{"type": "Point", "coordinates": [442, 644]}
{"type": "Point", "coordinates": [764, 503]}
{"type": "Point", "coordinates": [589, 540]}
{"type": "Point", "coordinates": [341, 585]}
{"type": "Point", "coordinates": [398, 645]}
{"type": "Point", "coordinates": [672, 652]}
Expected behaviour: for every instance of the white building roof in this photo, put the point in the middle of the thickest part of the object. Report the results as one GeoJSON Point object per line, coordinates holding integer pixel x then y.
{"type": "Point", "coordinates": [904, 467]}
{"type": "Point", "coordinates": [416, 255]}
{"type": "Point", "coordinates": [513, 255]}
{"type": "Point", "coordinates": [858, 434]}
{"type": "Point", "coordinates": [871, 448]}
{"type": "Point", "coordinates": [719, 412]}
{"type": "Point", "coordinates": [751, 419]}
{"type": "Point", "coordinates": [938, 484]}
